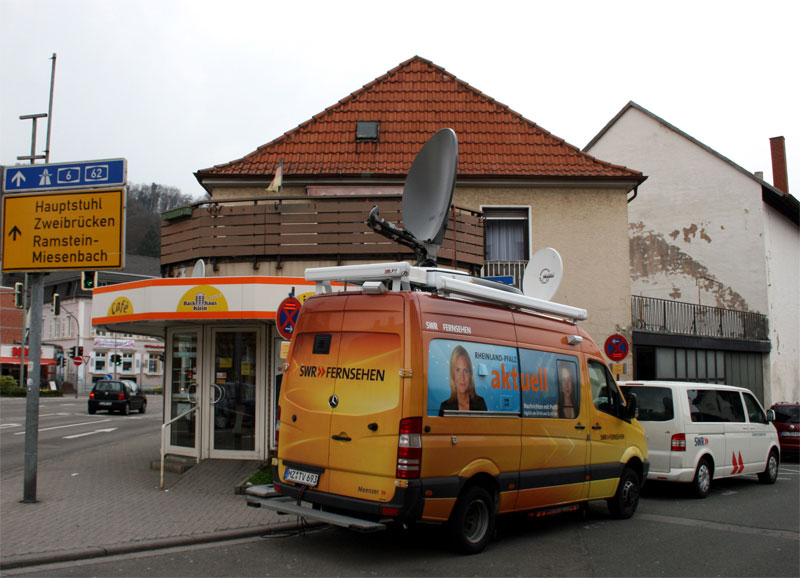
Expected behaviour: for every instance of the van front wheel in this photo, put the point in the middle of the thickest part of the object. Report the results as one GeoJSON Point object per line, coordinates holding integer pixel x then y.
{"type": "Point", "coordinates": [625, 501]}
{"type": "Point", "coordinates": [472, 521]}
{"type": "Point", "coordinates": [770, 473]}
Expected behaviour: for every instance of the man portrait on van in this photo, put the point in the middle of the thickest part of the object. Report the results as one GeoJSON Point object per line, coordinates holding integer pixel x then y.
{"type": "Point", "coordinates": [567, 390]}
{"type": "Point", "coordinates": [462, 385]}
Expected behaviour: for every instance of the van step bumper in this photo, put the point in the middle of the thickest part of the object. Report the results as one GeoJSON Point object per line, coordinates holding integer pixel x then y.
{"type": "Point", "coordinates": [265, 497]}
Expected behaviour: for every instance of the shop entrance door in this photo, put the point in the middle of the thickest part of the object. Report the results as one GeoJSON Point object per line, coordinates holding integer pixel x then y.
{"type": "Point", "coordinates": [235, 396]}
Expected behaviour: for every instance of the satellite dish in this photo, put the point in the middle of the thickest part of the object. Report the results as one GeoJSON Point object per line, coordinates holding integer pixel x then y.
{"type": "Point", "coordinates": [199, 269]}
{"type": "Point", "coordinates": [428, 190]}
{"type": "Point", "coordinates": [427, 195]}
{"type": "Point", "coordinates": [543, 274]}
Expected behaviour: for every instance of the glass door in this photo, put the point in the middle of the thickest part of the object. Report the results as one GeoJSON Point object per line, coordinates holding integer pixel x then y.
{"type": "Point", "coordinates": [181, 389]}
{"type": "Point", "coordinates": [235, 393]}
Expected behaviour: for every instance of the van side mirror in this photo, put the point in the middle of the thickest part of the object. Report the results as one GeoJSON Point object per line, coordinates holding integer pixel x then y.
{"type": "Point", "coordinates": [770, 415]}
{"type": "Point", "coordinates": [632, 407]}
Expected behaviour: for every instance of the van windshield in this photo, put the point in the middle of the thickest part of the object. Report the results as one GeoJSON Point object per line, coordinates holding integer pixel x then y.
{"type": "Point", "coordinates": [654, 403]}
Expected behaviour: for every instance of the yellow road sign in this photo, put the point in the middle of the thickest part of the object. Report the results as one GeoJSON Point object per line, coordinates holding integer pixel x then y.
{"type": "Point", "coordinates": [70, 230]}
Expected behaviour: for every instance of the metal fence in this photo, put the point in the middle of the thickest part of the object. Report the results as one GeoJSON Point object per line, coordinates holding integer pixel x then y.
{"type": "Point", "coordinates": [675, 317]}
{"type": "Point", "coordinates": [515, 269]}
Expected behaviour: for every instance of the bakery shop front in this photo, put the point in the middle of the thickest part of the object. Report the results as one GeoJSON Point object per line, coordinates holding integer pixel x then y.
{"type": "Point", "coordinates": [223, 356]}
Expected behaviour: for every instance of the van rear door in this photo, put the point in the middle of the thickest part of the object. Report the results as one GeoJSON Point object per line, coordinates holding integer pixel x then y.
{"type": "Point", "coordinates": [657, 416]}
{"type": "Point", "coordinates": [366, 402]}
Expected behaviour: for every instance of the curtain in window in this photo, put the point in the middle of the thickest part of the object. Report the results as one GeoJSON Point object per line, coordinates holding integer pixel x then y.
{"type": "Point", "coordinates": [505, 240]}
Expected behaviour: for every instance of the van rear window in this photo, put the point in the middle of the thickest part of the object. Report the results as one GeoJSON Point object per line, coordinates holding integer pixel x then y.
{"type": "Point", "coordinates": [655, 403]}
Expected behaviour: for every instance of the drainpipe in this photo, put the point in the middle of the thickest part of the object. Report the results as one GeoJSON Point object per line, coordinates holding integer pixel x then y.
{"type": "Point", "coordinates": [635, 192]}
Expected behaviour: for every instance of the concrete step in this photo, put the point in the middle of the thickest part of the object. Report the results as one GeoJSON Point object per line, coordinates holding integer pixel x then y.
{"type": "Point", "coordinates": [174, 464]}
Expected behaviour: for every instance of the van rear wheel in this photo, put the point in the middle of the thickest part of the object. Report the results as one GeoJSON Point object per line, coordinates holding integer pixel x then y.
{"type": "Point", "coordinates": [625, 501]}
{"type": "Point", "coordinates": [472, 522]}
{"type": "Point", "coordinates": [701, 484]}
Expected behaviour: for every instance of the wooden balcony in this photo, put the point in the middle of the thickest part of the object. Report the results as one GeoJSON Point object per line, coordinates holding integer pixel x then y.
{"type": "Point", "coordinates": [302, 229]}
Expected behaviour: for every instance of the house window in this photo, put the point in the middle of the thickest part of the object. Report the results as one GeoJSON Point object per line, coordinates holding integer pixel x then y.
{"type": "Point", "coordinates": [153, 363]}
{"type": "Point", "coordinates": [367, 130]}
{"type": "Point", "coordinates": [506, 233]}
{"type": "Point", "coordinates": [100, 361]}
{"type": "Point", "coordinates": [127, 362]}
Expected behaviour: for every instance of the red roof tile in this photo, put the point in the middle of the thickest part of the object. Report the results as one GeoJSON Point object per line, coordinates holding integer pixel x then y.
{"type": "Point", "coordinates": [411, 102]}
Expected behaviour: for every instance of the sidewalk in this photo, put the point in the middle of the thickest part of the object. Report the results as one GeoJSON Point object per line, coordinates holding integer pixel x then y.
{"type": "Point", "coordinates": [111, 504]}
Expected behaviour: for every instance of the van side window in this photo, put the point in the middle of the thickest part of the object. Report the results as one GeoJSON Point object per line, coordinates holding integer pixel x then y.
{"type": "Point", "coordinates": [713, 405]}
{"type": "Point", "coordinates": [550, 384]}
{"type": "Point", "coordinates": [754, 411]}
{"type": "Point", "coordinates": [465, 376]}
{"type": "Point", "coordinates": [605, 395]}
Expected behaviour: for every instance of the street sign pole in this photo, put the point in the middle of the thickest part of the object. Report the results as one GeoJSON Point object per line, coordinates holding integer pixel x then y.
{"type": "Point", "coordinates": [32, 398]}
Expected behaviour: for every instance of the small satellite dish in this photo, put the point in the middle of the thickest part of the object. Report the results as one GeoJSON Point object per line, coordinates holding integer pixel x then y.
{"type": "Point", "coordinates": [199, 269]}
{"type": "Point", "coordinates": [427, 195]}
{"type": "Point", "coordinates": [543, 274]}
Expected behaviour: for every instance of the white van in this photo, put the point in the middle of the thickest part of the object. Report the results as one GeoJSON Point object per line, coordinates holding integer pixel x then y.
{"type": "Point", "coordinates": [697, 432]}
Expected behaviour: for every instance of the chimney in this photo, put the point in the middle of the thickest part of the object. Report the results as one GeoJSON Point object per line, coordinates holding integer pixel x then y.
{"type": "Point", "coordinates": [780, 176]}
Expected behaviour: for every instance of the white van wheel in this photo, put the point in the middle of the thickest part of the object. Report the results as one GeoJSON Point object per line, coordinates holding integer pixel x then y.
{"type": "Point", "coordinates": [702, 479]}
{"type": "Point", "coordinates": [770, 473]}
{"type": "Point", "coordinates": [472, 520]}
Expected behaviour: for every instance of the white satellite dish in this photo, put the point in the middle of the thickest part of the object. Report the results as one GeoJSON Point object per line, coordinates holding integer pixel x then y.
{"type": "Point", "coordinates": [199, 269]}
{"type": "Point", "coordinates": [543, 274]}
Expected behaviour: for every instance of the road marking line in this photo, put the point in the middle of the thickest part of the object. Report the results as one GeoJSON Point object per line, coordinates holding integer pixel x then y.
{"type": "Point", "coordinates": [88, 433]}
{"type": "Point", "coordinates": [5, 425]}
{"type": "Point", "coordinates": [787, 534]}
{"type": "Point", "coordinates": [19, 433]}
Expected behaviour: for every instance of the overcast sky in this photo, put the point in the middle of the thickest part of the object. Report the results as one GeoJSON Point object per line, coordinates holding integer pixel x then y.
{"type": "Point", "coordinates": [177, 86]}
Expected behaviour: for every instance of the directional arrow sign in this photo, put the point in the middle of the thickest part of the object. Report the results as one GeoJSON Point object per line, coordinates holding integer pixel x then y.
{"type": "Point", "coordinates": [80, 174]}
{"type": "Point", "coordinates": [63, 231]}
{"type": "Point", "coordinates": [89, 433]}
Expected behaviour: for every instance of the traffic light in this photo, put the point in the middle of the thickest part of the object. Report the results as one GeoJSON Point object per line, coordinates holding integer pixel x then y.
{"type": "Point", "coordinates": [80, 351]}
{"type": "Point", "coordinates": [116, 359]}
{"type": "Point", "coordinates": [19, 295]}
{"type": "Point", "coordinates": [88, 280]}
{"type": "Point", "coordinates": [71, 352]}
{"type": "Point", "coordinates": [56, 304]}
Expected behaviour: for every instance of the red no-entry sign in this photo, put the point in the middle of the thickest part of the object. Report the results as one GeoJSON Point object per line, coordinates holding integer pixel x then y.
{"type": "Point", "coordinates": [286, 317]}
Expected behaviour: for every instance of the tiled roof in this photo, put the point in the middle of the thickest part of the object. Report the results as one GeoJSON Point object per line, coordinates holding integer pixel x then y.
{"type": "Point", "coordinates": [411, 102]}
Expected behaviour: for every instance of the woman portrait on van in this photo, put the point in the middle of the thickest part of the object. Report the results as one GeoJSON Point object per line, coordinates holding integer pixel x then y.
{"type": "Point", "coordinates": [462, 385]}
{"type": "Point", "coordinates": [567, 390]}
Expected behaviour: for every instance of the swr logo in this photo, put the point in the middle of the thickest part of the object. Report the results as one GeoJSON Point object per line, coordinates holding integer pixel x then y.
{"type": "Point", "coordinates": [312, 371]}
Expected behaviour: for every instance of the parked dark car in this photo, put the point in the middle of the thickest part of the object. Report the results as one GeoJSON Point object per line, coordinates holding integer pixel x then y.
{"type": "Point", "coordinates": [117, 395]}
{"type": "Point", "coordinates": [787, 422]}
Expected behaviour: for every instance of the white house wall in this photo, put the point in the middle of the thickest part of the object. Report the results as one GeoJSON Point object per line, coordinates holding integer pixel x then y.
{"type": "Point", "coordinates": [696, 227]}
{"type": "Point", "coordinates": [783, 288]}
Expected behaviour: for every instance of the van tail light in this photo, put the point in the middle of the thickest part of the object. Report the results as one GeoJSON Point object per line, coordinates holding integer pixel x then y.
{"type": "Point", "coordinates": [678, 443]}
{"type": "Point", "coordinates": [409, 448]}
{"type": "Point", "coordinates": [277, 426]}
{"type": "Point", "coordinates": [121, 395]}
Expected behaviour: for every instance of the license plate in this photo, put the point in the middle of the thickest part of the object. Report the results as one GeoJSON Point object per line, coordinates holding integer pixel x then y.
{"type": "Point", "coordinates": [301, 477]}
{"type": "Point", "coordinates": [105, 403]}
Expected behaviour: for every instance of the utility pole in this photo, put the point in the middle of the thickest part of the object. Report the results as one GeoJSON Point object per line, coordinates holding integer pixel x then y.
{"type": "Point", "coordinates": [37, 296]}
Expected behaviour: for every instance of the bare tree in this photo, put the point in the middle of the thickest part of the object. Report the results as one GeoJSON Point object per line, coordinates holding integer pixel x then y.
{"type": "Point", "coordinates": [144, 208]}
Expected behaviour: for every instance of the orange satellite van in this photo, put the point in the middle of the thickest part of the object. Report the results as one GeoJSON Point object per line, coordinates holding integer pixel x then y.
{"type": "Point", "coordinates": [420, 394]}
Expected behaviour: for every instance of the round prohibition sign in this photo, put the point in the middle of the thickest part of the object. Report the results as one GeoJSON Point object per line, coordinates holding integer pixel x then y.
{"type": "Point", "coordinates": [286, 318]}
{"type": "Point", "coordinates": [616, 347]}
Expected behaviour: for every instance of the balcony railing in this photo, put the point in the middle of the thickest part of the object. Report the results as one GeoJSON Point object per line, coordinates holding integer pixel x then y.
{"type": "Point", "coordinates": [298, 228]}
{"type": "Point", "coordinates": [515, 269]}
{"type": "Point", "coordinates": [675, 317]}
